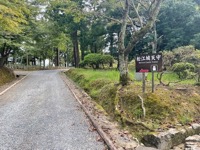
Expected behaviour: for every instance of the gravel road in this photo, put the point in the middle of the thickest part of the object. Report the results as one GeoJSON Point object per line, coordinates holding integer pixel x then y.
{"type": "Point", "coordinates": [41, 113]}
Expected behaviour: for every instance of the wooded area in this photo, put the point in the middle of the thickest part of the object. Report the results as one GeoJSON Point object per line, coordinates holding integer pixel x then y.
{"type": "Point", "coordinates": [65, 31]}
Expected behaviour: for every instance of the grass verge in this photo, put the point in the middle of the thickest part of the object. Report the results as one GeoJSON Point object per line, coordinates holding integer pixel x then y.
{"type": "Point", "coordinates": [173, 106]}
{"type": "Point", "coordinates": [6, 75]}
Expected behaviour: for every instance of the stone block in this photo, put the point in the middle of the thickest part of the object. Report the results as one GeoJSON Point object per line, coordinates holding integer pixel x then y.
{"type": "Point", "coordinates": [196, 128]}
{"type": "Point", "coordinates": [177, 137]}
{"type": "Point", "coordinates": [189, 131]}
{"type": "Point", "coordinates": [192, 143]}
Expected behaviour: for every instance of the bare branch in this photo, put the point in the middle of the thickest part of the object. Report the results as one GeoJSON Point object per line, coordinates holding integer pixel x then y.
{"type": "Point", "coordinates": [110, 18]}
{"type": "Point", "coordinates": [141, 4]}
{"type": "Point", "coordinates": [137, 13]}
{"type": "Point", "coordinates": [141, 33]}
{"type": "Point", "coordinates": [132, 24]}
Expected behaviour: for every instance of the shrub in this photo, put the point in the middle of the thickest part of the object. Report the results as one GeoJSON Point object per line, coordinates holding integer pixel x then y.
{"type": "Point", "coordinates": [82, 64]}
{"type": "Point", "coordinates": [95, 60]}
{"type": "Point", "coordinates": [183, 70]}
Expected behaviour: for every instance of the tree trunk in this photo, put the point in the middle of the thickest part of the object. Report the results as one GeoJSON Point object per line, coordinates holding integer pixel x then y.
{"type": "Point", "coordinates": [44, 63]}
{"type": "Point", "coordinates": [76, 49]}
{"type": "Point", "coordinates": [57, 57]}
{"type": "Point", "coordinates": [5, 51]}
{"type": "Point", "coordinates": [111, 45]}
{"type": "Point", "coordinates": [2, 61]}
{"type": "Point", "coordinates": [123, 58]}
{"type": "Point", "coordinates": [123, 69]}
{"type": "Point", "coordinates": [40, 62]}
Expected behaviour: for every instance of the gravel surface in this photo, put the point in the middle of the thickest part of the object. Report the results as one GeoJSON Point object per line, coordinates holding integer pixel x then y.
{"type": "Point", "coordinates": [41, 113]}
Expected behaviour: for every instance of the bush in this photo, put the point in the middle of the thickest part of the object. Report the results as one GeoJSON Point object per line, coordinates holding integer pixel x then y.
{"type": "Point", "coordinates": [183, 70]}
{"type": "Point", "coordinates": [95, 60]}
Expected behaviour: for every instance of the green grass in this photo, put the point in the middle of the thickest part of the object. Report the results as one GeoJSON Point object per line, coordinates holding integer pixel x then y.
{"type": "Point", "coordinates": [166, 106]}
{"type": "Point", "coordinates": [113, 76]}
{"type": "Point", "coordinates": [170, 77]}
{"type": "Point", "coordinates": [92, 75]}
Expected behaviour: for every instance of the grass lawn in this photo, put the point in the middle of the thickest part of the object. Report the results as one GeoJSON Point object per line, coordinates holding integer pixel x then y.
{"type": "Point", "coordinates": [113, 75]}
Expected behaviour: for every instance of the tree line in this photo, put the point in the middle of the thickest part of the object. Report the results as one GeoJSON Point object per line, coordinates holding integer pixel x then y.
{"type": "Point", "coordinates": [65, 31]}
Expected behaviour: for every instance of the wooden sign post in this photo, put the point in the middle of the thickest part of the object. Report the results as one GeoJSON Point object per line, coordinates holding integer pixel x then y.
{"type": "Point", "coordinates": [143, 71]}
{"type": "Point", "coordinates": [148, 63]}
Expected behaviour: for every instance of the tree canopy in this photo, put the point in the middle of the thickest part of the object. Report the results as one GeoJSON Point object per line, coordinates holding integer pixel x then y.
{"type": "Point", "coordinates": [65, 31]}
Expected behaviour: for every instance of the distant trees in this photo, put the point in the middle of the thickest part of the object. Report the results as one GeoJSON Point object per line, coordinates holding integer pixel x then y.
{"type": "Point", "coordinates": [178, 24]}
{"type": "Point", "coordinates": [69, 30]}
{"type": "Point", "coordinates": [68, 16]}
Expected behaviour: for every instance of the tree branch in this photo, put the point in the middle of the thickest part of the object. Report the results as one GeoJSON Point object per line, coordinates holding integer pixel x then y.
{"type": "Point", "coordinates": [113, 19]}
{"type": "Point", "coordinates": [142, 105]}
{"type": "Point", "coordinates": [137, 13]}
{"type": "Point", "coordinates": [141, 33]}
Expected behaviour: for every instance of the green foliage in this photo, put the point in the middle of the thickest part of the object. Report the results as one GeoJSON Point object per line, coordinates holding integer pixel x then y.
{"type": "Point", "coordinates": [178, 24]}
{"type": "Point", "coordinates": [182, 52]}
{"type": "Point", "coordinates": [185, 119]}
{"type": "Point", "coordinates": [183, 55]}
{"type": "Point", "coordinates": [166, 107]}
{"type": "Point", "coordinates": [95, 60]}
{"type": "Point", "coordinates": [196, 41]}
{"type": "Point", "coordinates": [13, 15]}
{"type": "Point", "coordinates": [183, 70]}
{"type": "Point", "coordinates": [156, 106]}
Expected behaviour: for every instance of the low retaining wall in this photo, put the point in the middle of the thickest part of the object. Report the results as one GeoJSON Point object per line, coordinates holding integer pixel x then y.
{"type": "Point", "coordinates": [170, 138]}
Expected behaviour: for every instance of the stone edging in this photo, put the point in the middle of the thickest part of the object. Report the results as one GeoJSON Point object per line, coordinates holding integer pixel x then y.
{"type": "Point", "coordinates": [170, 138]}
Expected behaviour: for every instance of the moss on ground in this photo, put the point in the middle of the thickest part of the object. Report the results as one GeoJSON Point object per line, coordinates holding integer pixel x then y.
{"type": "Point", "coordinates": [165, 108]}
{"type": "Point", "coordinates": [6, 75]}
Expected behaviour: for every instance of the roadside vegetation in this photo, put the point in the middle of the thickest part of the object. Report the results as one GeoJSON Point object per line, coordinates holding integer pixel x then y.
{"type": "Point", "coordinates": [175, 102]}
{"type": "Point", "coordinates": [6, 75]}
{"type": "Point", "coordinates": [168, 106]}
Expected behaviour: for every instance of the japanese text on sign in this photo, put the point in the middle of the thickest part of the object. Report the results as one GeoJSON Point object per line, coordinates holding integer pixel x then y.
{"type": "Point", "coordinates": [150, 58]}
{"type": "Point", "coordinates": [144, 62]}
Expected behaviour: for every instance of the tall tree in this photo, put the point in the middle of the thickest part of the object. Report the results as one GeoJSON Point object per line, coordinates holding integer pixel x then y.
{"type": "Point", "coordinates": [68, 14]}
{"type": "Point", "coordinates": [145, 13]}
{"type": "Point", "coordinates": [12, 22]}
{"type": "Point", "coordinates": [178, 24]}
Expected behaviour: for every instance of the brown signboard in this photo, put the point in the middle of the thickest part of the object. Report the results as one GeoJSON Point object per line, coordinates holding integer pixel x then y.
{"type": "Point", "coordinates": [149, 63]}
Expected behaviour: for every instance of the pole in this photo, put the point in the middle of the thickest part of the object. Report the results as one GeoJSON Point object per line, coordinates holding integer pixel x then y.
{"type": "Point", "coordinates": [153, 88]}
{"type": "Point", "coordinates": [143, 83]}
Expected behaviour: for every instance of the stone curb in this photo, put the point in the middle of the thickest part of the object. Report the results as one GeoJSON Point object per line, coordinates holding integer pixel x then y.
{"type": "Point", "coordinates": [170, 138]}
